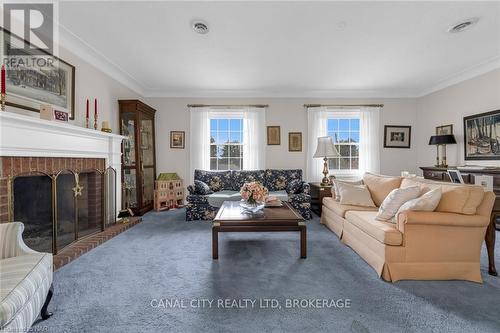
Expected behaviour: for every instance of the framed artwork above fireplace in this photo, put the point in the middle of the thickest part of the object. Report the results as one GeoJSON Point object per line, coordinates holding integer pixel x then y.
{"type": "Point", "coordinates": [45, 80]}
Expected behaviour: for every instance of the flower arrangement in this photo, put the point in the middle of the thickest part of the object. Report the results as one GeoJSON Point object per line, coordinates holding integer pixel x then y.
{"type": "Point", "coordinates": [254, 192]}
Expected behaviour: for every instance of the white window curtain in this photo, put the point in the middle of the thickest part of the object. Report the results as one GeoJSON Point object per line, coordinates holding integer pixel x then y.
{"type": "Point", "coordinates": [254, 135]}
{"type": "Point", "coordinates": [369, 141]}
{"type": "Point", "coordinates": [199, 140]}
{"type": "Point", "coordinates": [317, 118]}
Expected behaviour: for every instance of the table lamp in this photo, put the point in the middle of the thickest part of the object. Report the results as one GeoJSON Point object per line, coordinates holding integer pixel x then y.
{"type": "Point", "coordinates": [325, 149]}
{"type": "Point", "coordinates": [442, 140]}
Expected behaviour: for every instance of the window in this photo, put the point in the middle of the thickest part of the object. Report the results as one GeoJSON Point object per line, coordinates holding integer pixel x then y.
{"type": "Point", "coordinates": [344, 131]}
{"type": "Point", "coordinates": [226, 144]}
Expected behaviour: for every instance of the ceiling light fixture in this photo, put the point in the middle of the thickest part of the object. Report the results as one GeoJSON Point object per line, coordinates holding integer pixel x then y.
{"type": "Point", "coordinates": [464, 25]}
{"type": "Point", "coordinates": [200, 27]}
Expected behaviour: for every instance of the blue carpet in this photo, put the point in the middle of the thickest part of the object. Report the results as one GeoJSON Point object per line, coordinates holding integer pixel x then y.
{"type": "Point", "coordinates": [120, 286]}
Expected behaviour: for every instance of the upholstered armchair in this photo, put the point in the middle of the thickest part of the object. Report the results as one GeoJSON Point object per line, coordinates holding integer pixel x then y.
{"type": "Point", "coordinates": [26, 276]}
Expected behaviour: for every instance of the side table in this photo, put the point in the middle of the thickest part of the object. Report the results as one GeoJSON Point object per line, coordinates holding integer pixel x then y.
{"type": "Point", "coordinates": [319, 192]}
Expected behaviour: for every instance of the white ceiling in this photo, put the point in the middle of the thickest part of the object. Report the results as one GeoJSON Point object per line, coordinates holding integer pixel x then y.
{"type": "Point", "coordinates": [306, 49]}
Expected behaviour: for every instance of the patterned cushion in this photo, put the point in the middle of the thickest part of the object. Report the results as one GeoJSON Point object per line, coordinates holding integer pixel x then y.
{"type": "Point", "coordinates": [216, 180]}
{"type": "Point", "coordinates": [294, 186]}
{"type": "Point", "coordinates": [201, 188]}
{"type": "Point", "coordinates": [25, 279]}
{"type": "Point", "coordinates": [242, 177]}
{"type": "Point", "coordinates": [277, 180]}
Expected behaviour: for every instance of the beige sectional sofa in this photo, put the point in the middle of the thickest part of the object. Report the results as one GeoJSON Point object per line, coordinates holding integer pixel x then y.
{"type": "Point", "coordinates": [441, 245]}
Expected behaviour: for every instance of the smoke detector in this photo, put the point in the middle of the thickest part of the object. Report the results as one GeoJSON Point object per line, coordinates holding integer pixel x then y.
{"type": "Point", "coordinates": [463, 25]}
{"type": "Point", "coordinates": [200, 27]}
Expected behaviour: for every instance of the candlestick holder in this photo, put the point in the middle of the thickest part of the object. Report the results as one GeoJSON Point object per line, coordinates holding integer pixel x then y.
{"type": "Point", "coordinates": [95, 123]}
{"type": "Point", "coordinates": [86, 122]}
{"type": "Point", "coordinates": [2, 102]}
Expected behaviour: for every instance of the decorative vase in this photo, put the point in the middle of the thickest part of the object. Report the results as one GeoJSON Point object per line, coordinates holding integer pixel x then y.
{"type": "Point", "coordinates": [252, 207]}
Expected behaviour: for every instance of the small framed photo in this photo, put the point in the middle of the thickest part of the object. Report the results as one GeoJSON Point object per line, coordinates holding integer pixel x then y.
{"type": "Point", "coordinates": [455, 176]}
{"type": "Point", "coordinates": [273, 136]}
{"type": "Point", "coordinates": [177, 139]}
{"type": "Point", "coordinates": [444, 130]}
{"type": "Point", "coordinates": [484, 181]}
{"type": "Point", "coordinates": [397, 136]}
{"type": "Point", "coordinates": [295, 141]}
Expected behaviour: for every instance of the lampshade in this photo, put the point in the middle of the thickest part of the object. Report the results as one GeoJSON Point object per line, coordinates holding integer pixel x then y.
{"type": "Point", "coordinates": [442, 139]}
{"type": "Point", "coordinates": [326, 148]}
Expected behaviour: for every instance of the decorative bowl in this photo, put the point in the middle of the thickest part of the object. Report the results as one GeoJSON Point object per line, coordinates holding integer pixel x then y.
{"type": "Point", "coordinates": [253, 208]}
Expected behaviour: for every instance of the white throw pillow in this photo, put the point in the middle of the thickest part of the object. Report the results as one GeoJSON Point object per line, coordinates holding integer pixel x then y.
{"type": "Point", "coordinates": [427, 202]}
{"type": "Point", "coordinates": [396, 199]}
{"type": "Point", "coordinates": [357, 195]}
{"type": "Point", "coordinates": [335, 188]}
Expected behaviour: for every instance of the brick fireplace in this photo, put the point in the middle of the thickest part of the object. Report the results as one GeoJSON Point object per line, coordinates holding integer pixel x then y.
{"type": "Point", "coordinates": [59, 200]}
{"type": "Point", "coordinates": [60, 180]}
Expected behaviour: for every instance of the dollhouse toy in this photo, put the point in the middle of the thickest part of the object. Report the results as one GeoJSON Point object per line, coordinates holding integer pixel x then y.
{"type": "Point", "coordinates": [169, 192]}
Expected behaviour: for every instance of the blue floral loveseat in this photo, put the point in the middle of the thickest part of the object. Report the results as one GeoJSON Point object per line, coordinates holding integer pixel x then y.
{"type": "Point", "coordinates": [211, 188]}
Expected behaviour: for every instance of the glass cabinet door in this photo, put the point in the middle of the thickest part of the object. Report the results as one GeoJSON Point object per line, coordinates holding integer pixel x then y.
{"type": "Point", "coordinates": [147, 160]}
{"type": "Point", "coordinates": [128, 130]}
{"type": "Point", "coordinates": [147, 153]}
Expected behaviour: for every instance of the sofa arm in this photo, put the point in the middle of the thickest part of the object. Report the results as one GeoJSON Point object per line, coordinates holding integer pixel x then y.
{"type": "Point", "coordinates": [197, 199]}
{"type": "Point", "coordinates": [11, 238]}
{"type": "Point", "coordinates": [441, 219]}
{"type": "Point", "coordinates": [299, 198]}
{"type": "Point", "coordinates": [306, 188]}
{"type": "Point", "coordinates": [191, 189]}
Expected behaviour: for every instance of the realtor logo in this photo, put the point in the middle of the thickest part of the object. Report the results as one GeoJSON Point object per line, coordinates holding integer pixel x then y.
{"type": "Point", "coordinates": [34, 23]}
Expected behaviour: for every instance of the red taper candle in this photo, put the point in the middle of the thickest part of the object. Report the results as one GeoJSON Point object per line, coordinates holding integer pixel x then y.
{"type": "Point", "coordinates": [3, 80]}
{"type": "Point", "coordinates": [95, 108]}
{"type": "Point", "coordinates": [87, 109]}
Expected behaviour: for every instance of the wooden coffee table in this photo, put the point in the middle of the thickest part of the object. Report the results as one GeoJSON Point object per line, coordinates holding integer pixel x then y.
{"type": "Point", "coordinates": [231, 218]}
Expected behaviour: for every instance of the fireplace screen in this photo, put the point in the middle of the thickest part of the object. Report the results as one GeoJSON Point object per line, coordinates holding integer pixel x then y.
{"type": "Point", "coordinates": [33, 203]}
{"type": "Point", "coordinates": [58, 210]}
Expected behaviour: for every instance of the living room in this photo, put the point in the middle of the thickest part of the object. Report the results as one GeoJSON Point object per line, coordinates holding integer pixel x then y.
{"type": "Point", "coordinates": [249, 166]}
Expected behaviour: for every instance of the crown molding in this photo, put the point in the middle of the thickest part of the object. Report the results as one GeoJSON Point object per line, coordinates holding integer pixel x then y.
{"type": "Point", "coordinates": [79, 47]}
{"type": "Point", "coordinates": [469, 73]}
{"type": "Point", "coordinates": [336, 93]}
{"type": "Point", "coordinates": [83, 50]}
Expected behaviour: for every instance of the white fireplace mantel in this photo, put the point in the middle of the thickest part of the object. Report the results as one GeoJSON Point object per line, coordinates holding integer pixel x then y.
{"type": "Point", "coordinates": [22, 135]}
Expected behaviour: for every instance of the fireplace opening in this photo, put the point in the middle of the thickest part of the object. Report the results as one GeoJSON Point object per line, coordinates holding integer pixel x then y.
{"type": "Point", "coordinates": [60, 209]}
{"type": "Point", "coordinates": [33, 203]}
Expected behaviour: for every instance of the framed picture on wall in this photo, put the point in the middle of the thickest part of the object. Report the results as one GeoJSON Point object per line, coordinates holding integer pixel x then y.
{"type": "Point", "coordinates": [273, 136]}
{"type": "Point", "coordinates": [481, 136]}
{"type": "Point", "coordinates": [177, 139]}
{"type": "Point", "coordinates": [396, 136]}
{"type": "Point", "coordinates": [295, 141]}
{"type": "Point", "coordinates": [444, 130]}
{"type": "Point", "coordinates": [47, 81]}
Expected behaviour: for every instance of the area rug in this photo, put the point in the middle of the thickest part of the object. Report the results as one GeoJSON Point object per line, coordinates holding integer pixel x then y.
{"type": "Point", "coordinates": [159, 277]}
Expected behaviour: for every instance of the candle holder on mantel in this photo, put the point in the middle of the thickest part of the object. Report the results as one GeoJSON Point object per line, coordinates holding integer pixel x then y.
{"type": "Point", "coordinates": [95, 122]}
{"type": "Point", "coordinates": [2, 102]}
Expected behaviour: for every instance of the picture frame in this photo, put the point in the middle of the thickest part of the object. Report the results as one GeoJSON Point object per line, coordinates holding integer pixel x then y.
{"type": "Point", "coordinates": [295, 141]}
{"type": "Point", "coordinates": [480, 136]}
{"type": "Point", "coordinates": [273, 135]}
{"type": "Point", "coordinates": [28, 95]}
{"type": "Point", "coordinates": [397, 136]}
{"type": "Point", "coordinates": [444, 129]}
{"type": "Point", "coordinates": [455, 176]}
{"type": "Point", "coordinates": [177, 139]}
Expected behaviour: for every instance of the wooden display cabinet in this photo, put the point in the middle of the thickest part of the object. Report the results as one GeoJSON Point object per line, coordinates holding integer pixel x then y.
{"type": "Point", "coordinates": [137, 122]}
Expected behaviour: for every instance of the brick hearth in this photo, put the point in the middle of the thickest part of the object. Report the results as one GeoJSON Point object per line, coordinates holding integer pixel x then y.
{"type": "Point", "coordinates": [78, 248]}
